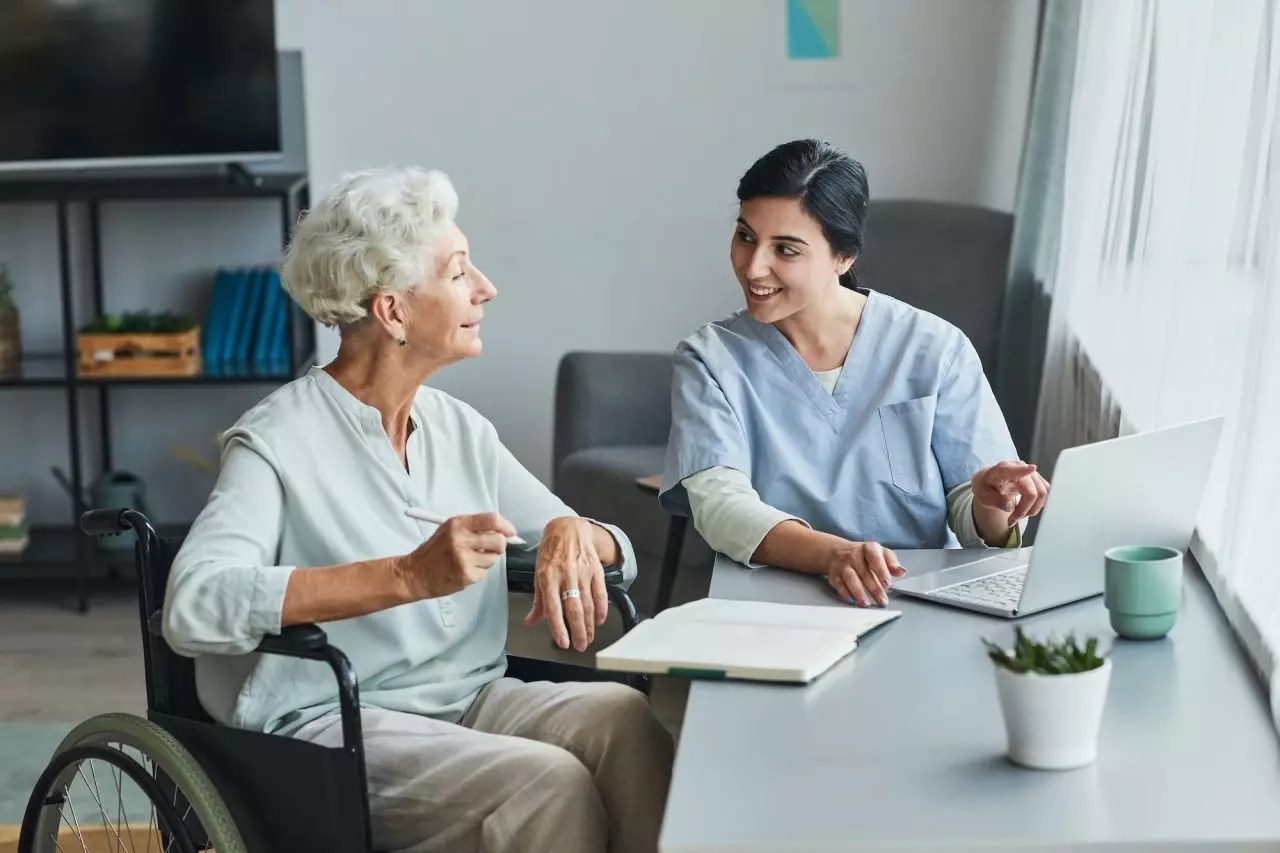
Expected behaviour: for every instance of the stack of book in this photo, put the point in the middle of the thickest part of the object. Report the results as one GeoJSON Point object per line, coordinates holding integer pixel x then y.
{"type": "Point", "coordinates": [246, 330]}
{"type": "Point", "coordinates": [14, 537]}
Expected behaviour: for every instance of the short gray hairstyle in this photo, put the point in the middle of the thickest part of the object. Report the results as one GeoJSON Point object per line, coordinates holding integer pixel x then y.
{"type": "Point", "coordinates": [373, 233]}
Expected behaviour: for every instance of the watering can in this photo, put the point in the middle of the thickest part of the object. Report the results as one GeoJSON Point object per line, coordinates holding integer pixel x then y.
{"type": "Point", "coordinates": [112, 490]}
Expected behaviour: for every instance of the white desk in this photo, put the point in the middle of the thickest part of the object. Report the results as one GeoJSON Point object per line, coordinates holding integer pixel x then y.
{"type": "Point", "coordinates": [901, 746]}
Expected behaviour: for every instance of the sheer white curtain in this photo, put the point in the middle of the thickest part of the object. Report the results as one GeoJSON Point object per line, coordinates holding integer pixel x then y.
{"type": "Point", "coordinates": [1166, 272]}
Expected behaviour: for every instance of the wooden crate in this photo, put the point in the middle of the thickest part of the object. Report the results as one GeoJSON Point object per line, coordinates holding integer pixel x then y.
{"type": "Point", "coordinates": [139, 353]}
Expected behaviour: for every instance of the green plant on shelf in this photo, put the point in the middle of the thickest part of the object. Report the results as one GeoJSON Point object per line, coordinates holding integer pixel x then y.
{"type": "Point", "coordinates": [6, 290]}
{"type": "Point", "coordinates": [1056, 657]}
{"type": "Point", "coordinates": [132, 322]}
{"type": "Point", "coordinates": [10, 327]}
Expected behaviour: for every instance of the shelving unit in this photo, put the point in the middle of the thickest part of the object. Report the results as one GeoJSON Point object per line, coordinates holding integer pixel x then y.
{"type": "Point", "coordinates": [62, 548]}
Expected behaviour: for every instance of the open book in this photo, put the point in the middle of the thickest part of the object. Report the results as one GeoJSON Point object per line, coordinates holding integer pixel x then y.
{"type": "Point", "coordinates": [752, 640]}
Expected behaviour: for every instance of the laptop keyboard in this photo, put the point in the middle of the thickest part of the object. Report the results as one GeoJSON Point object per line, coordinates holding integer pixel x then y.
{"type": "Point", "coordinates": [1001, 591]}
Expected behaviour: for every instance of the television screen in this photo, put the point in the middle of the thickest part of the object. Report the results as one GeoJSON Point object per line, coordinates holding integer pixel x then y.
{"type": "Point", "coordinates": [95, 82]}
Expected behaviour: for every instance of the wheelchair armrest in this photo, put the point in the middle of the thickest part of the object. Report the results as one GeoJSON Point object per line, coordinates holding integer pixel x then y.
{"type": "Point", "coordinates": [310, 642]}
{"type": "Point", "coordinates": [295, 641]}
{"type": "Point", "coordinates": [520, 568]}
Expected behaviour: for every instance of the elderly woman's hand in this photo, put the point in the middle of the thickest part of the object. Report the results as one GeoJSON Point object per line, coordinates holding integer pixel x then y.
{"type": "Point", "coordinates": [569, 591]}
{"type": "Point", "coordinates": [457, 555]}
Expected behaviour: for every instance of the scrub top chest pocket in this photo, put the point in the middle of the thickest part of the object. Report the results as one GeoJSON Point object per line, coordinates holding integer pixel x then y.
{"type": "Point", "coordinates": [908, 436]}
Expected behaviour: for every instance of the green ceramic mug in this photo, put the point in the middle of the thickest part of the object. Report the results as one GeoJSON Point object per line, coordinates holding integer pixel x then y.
{"type": "Point", "coordinates": [1143, 590]}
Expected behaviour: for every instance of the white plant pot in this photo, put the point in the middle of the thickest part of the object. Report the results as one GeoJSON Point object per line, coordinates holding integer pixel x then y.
{"type": "Point", "coordinates": [1052, 721]}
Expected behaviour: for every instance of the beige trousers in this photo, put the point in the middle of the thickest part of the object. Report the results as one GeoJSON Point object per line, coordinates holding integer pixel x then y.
{"type": "Point", "coordinates": [539, 767]}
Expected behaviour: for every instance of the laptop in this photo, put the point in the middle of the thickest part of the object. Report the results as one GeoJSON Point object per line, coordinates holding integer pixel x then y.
{"type": "Point", "coordinates": [1142, 489]}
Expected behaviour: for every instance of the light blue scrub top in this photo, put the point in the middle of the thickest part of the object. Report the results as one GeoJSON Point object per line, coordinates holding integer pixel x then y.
{"type": "Point", "coordinates": [911, 417]}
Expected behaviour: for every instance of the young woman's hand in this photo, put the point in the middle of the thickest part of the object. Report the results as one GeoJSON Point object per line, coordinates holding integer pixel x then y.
{"type": "Point", "coordinates": [1014, 487]}
{"type": "Point", "coordinates": [861, 572]}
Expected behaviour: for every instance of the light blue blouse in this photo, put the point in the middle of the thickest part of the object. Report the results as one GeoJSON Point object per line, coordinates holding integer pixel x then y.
{"type": "Point", "coordinates": [911, 417]}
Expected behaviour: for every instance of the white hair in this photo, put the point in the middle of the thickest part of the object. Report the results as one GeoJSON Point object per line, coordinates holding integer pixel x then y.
{"type": "Point", "coordinates": [374, 233]}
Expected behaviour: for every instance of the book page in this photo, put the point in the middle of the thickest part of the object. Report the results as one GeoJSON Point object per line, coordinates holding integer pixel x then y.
{"type": "Point", "coordinates": [854, 620]}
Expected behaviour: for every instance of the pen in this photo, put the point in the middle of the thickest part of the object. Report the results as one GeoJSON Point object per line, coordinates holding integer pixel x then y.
{"type": "Point", "coordinates": [423, 515]}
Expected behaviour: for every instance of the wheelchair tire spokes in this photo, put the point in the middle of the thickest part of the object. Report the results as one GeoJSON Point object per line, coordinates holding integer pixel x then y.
{"type": "Point", "coordinates": [113, 828]}
{"type": "Point", "coordinates": [119, 834]}
{"type": "Point", "coordinates": [162, 800]}
{"type": "Point", "coordinates": [75, 824]}
{"type": "Point", "coordinates": [74, 776]}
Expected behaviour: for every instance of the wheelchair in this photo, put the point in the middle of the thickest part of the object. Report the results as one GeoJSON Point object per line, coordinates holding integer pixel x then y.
{"type": "Point", "coordinates": [194, 785]}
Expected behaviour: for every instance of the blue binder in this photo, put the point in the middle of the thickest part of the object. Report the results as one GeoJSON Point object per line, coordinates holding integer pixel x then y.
{"type": "Point", "coordinates": [264, 336]}
{"type": "Point", "coordinates": [215, 321]}
{"type": "Point", "coordinates": [249, 320]}
{"type": "Point", "coordinates": [239, 287]}
{"type": "Point", "coordinates": [279, 348]}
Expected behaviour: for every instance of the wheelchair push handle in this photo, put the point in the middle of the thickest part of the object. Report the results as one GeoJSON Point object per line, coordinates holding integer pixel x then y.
{"type": "Point", "coordinates": [112, 522]}
{"type": "Point", "coordinates": [104, 522]}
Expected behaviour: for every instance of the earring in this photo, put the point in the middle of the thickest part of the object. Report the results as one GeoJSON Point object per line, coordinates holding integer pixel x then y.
{"type": "Point", "coordinates": [401, 342]}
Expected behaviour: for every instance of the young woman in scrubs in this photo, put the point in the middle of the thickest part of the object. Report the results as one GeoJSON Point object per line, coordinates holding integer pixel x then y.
{"type": "Point", "coordinates": [827, 424]}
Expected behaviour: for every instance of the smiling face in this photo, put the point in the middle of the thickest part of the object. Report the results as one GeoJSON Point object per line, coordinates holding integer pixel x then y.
{"type": "Point", "coordinates": [782, 260]}
{"type": "Point", "coordinates": [440, 319]}
{"type": "Point", "coordinates": [448, 309]}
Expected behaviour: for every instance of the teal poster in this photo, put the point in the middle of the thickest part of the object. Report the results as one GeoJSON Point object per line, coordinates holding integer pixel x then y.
{"type": "Point", "coordinates": [813, 29]}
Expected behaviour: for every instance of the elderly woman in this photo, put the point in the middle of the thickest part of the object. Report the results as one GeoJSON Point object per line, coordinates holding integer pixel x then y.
{"type": "Point", "coordinates": [307, 524]}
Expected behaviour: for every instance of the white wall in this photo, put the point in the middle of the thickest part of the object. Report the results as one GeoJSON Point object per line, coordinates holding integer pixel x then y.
{"type": "Point", "coordinates": [596, 146]}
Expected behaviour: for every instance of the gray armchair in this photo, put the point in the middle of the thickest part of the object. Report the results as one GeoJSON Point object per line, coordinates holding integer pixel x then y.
{"type": "Point", "coordinates": [610, 407]}
{"type": "Point", "coordinates": [948, 259]}
{"type": "Point", "coordinates": [612, 419]}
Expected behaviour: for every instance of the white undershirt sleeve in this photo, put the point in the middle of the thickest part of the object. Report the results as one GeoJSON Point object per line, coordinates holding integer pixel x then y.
{"type": "Point", "coordinates": [729, 513]}
{"type": "Point", "coordinates": [960, 518]}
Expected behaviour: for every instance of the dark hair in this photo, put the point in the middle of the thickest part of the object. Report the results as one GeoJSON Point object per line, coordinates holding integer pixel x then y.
{"type": "Point", "coordinates": [830, 185]}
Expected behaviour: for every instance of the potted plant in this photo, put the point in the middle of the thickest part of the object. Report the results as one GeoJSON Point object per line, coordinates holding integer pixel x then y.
{"type": "Point", "coordinates": [10, 333]}
{"type": "Point", "coordinates": [1052, 695]}
{"type": "Point", "coordinates": [139, 343]}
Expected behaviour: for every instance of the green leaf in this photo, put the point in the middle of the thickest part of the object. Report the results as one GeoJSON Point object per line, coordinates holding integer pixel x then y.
{"type": "Point", "coordinates": [164, 322]}
{"type": "Point", "coordinates": [1060, 656]}
{"type": "Point", "coordinates": [6, 287]}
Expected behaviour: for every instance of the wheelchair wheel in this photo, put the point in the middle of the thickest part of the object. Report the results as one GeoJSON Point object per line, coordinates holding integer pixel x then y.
{"type": "Point", "coordinates": [121, 783]}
